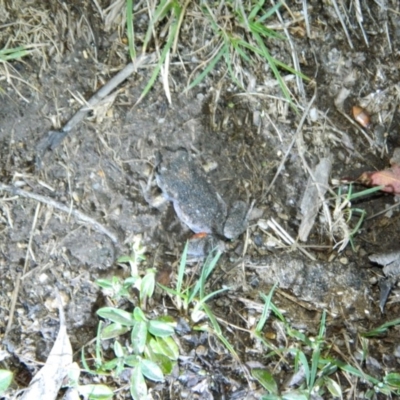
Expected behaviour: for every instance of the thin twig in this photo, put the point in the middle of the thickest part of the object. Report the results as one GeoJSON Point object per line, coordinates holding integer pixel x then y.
{"type": "Point", "coordinates": [54, 138]}
{"type": "Point", "coordinates": [295, 59]}
{"type": "Point", "coordinates": [336, 7]}
{"type": "Point", "coordinates": [59, 206]}
{"type": "Point", "coordinates": [307, 22]}
{"type": "Point", "coordinates": [299, 128]}
{"type": "Point", "coordinates": [29, 248]}
{"type": "Point", "coordinates": [18, 280]}
{"type": "Point", "coordinates": [13, 303]}
{"type": "Point", "coordinates": [284, 235]}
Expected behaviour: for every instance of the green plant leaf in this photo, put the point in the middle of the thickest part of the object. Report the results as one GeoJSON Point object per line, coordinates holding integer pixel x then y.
{"type": "Point", "coordinates": [113, 330]}
{"type": "Point", "coordinates": [139, 336]}
{"type": "Point", "coordinates": [5, 380]}
{"type": "Point", "coordinates": [209, 67]}
{"type": "Point", "coordinates": [138, 385]}
{"type": "Point", "coordinates": [168, 347]}
{"type": "Point", "coordinates": [95, 392]}
{"type": "Point", "coordinates": [85, 364]}
{"type": "Point", "coordinates": [138, 314]}
{"type": "Point", "coordinates": [352, 370]}
{"type": "Point", "coordinates": [125, 259]}
{"type": "Point", "coordinates": [333, 387]}
{"type": "Point", "coordinates": [271, 397]}
{"type": "Point", "coordinates": [165, 363]}
{"type": "Point", "coordinates": [116, 315]}
{"type": "Point", "coordinates": [132, 360]}
{"type": "Point", "coordinates": [110, 365]}
{"type": "Point", "coordinates": [147, 285]}
{"type": "Point", "coordinates": [393, 379]}
{"type": "Point", "coordinates": [295, 396]}
{"type": "Point", "coordinates": [151, 370]}
{"type": "Point", "coordinates": [160, 328]}
{"type": "Point", "coordinates": [266, 379]}
{"type": "Point", "coordinates": [106, 283]}
{"type": "Point", "coordinates": [118, 349]}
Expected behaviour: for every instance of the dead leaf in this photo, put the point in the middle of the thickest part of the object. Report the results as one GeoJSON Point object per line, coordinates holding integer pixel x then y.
{"type": "Point", "coordinates": [47, 382]}
{"type": "Point", "coordinates": [389, 178]}
{"type": "Point", "coordinates": [313, 196]}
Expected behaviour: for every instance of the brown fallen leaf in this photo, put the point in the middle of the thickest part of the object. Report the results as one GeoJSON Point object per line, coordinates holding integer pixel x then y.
{"type": "Point", "coordinates": [388, 178]}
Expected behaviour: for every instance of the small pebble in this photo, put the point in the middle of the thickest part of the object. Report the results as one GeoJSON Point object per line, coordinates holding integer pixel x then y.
{"type": "Point", "coordinates": [201, 350]}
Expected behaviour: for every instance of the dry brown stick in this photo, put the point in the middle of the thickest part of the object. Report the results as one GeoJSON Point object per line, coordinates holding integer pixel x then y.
{"type": "Point", "coordinates": [13, 303]}
{"type": "Point", "coordinates": [59, 206]}
{"type": "Point", "coordinates": [29, 248]}
{"type": "Point", "coordinates": [18, 281]}
{"type": "Point", "coordinates": [54, 138]}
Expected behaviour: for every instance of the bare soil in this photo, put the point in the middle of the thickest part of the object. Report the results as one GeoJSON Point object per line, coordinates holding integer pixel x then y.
{"type": "Point", "coordinates": [101, 166]}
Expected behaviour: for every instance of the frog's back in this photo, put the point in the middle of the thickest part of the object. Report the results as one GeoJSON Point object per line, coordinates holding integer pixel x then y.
{"type": "Point", "coordinates": [195, 200]}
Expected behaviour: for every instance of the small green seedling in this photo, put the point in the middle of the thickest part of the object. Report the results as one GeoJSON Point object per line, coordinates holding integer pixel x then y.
{"type": "Point", "coordinates": [193, 298]}
{"type": "Point", "coordinates": [117, 288]}
{"type": "Point", "coordinates": [141, 344]}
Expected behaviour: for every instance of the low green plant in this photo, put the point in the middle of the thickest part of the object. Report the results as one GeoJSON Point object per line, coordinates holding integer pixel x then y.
{"type": "Point", "coordinates": [313, 364]}
{"type": "Point", "coordinates": [140, 343]}
{"type": "Point", "coordinates": [193, 298]}
{"type": "Point", "coordinates": [117, 288]}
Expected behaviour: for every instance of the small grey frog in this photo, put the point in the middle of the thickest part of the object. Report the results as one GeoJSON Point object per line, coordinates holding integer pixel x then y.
{"type": "Point", "coordinates": [195, 200]}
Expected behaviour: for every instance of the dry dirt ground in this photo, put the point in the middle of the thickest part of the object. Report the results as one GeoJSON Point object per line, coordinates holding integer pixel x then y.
{"type": "Point", "coordinates": [246, 138]}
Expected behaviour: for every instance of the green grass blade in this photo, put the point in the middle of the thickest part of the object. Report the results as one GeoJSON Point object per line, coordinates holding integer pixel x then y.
{"type": "Point", "coordinates": [218, 332]}
{"type": "Point", "coordinates": [314, 366]}
{"type": "Point", "coordinates": [352, 370]}
{"type": "Point", "coordinates": [266, 309]}
{"type": "Point", "coordinates": [208, 267]}
{"type": "Point", "coordinates": [256, 27]}
{"type": "Point", "coordinates": [161, 10]}
{"type": "Point", "coordinates": [129, 28]}
{"type": "Point", "coordinates": [182, 268]}
{"type": "Point", "coordinates": [209, 67]}
{"type": "Point", "coordinates": [13, 54]}
{"type": "Point", "coordinates": [256, 9]}
{"type": "Point", "coordinates": [163, 56]}
{"type": "Point", "coordinates": [381, 329]}
{"type": "Point", "coordinates": [290, 69]}
{"type": "Point", "coordinates": [366, 192]}
{"type": "Point", "coordinates": [271, 63]}
{"type": "Point", "coordinates": [269, 13]}
{"type": "Point", "coordinates": [230, 70]}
